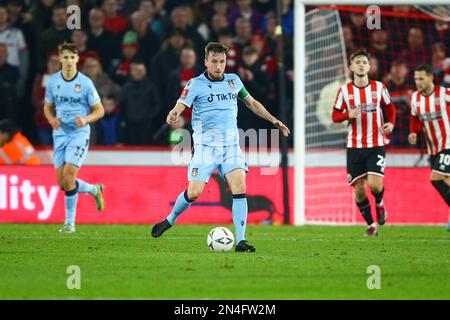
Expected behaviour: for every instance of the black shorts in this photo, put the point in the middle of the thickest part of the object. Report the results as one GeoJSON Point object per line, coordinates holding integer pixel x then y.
{"type": "Point", "coordinates": [364, 161]}
{"type": "Point", "coordinates": [440, 163]}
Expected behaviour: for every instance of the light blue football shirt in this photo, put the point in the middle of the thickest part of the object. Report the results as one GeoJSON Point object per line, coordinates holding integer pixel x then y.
{"type": "Point", "coordinates": [214, 108]}
{"type": "Point", "coordinates": [71, 99]}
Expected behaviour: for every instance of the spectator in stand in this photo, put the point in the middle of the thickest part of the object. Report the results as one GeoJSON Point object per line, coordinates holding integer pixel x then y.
{"type": "Point", "coordinates": [15, 148]}
{"type": "Point", "coordinates": [148, 42]}
{"type": "Point", "coordinates": [108, 126]}
{"type": "Point", "coordinates": [104, 85]}
{"type": "Point", "coordinates": [382, 50]}
{"type": "Point", "coordinates": [140, 106]}
{"type": "Point", "coordinates": [437, 61]}
{"type": "Point", "coordinates": [375, 73]}
{"type": "Point", "coordinates": [79, 38]}
{"type": "Point", "coordinates": [245, 10]}
{"type": "Point", "coordinates": [219, 23]}
{"type": "Point", "coordinates": [221, 7]}
{"type": "Point", "coordinates": [400, 90]}
{"type": "Point", "coordinates": [348, 40]}
{"type": "Point", "coordinates": [53, 36]}
{"type": "Point", "coordinates": [44, 129]}
{"type": "Point", "coordinates": [155, 24]}
{"type": "Point", "coordinates": [416, 54]}
{"type": "Point", "coordinates": [100, 40]}
{"type": "Point", "coordinates": [243, 29]}
{"type": "Point", "coordinates": [168, 58]}
{"type": "Point", "coordinates": [226, 37]}
{"type": "Point", "coordinates": [9, 75]}
{"type": "Point", "coordinates": [357, 22]}
{"type": "Point", "coordinates": [178, 79]}
{"type": "Point", "coordinates": [255, 81]}
{"type": "Point", "coordinates": [17, 49]}
{"type": "Point", "coordinates": [446, 66]}
{"type": "Point", "coordinates": [180, 21]}
{"type": "Point", "coordinates": [265, 55]}
{"type": "Point", "coordinates": [40, 15]}
{"type": "Point", "coordinates": [115, 22]}
{"type": "Point", "coordinates": [121, 68]}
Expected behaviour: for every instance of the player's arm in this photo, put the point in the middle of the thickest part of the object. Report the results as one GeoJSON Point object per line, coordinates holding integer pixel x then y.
{"type": "Point", "coordinates": [340, 110]}
{"type": "Point", "coordinates": [389, 109]}
{"type": "Point", "coordinates": [97, 113]}
{"type": "Point", "coordinates": [262, 112]}
{"type": "Point", "coordinates": [414, 124]}
{"type": "Point", "coordinates": [173, 115]}
{"type": "Point", "coordinates": [49, 111]}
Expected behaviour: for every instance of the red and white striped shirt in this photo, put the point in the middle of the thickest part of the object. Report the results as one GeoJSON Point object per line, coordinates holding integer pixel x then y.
{"type": "Point", "coordinates": [366, 130]}
{"type": "Point", "coordinates": [433, 114]}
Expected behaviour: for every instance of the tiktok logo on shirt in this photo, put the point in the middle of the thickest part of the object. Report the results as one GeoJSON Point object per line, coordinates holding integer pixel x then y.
{"type": "Point", "coordinates": [222, 96]}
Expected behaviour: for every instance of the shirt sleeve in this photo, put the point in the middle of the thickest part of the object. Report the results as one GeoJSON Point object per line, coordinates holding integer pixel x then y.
{"type": "Point", "coordinates": [188, 94]}
{"type": "Point", "coordinates": [48, 92]}
{"type": "Point", "coordinates": [413, 106]}
{"type": "Point", "coordinates": [92, 94]}
{"type": "Point", "coordinates": [385, 97]}
{"type": "Point", "coordinates": [339, 103]}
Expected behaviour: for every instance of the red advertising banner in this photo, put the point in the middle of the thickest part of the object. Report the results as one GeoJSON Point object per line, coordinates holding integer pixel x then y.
{"type": "Point", "coordinates": [133, 195]}
{"type": "Point", "coordinates": [146, 195]}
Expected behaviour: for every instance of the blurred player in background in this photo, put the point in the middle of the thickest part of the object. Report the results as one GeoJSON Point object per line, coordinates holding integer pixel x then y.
{"type": "Point", "coordinates": [430, 106]}
{"type": "Point", "coordinates": [213, 96]}
{"type": "Point", "coordinates": [71, 103]}
{"type": "Point", "coordinates": [361, 103]}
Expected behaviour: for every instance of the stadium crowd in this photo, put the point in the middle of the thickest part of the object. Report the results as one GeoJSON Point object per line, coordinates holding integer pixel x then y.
{"type": "Point", "coordinates": [141, 53]}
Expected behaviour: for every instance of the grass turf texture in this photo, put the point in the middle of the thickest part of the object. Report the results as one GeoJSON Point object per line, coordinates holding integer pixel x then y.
{"type": "Point", "coordinates": [124, 262]}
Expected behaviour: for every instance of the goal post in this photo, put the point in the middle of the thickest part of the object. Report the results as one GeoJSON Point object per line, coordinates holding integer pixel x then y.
{"type": "Point", "coordinates": [308, 164]}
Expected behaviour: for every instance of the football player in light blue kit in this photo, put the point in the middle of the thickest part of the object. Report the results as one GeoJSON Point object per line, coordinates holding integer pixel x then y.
{"type": "Point", "coordinates": [71, 103]}
{"type": "Point", "coordinates": [213, 99]}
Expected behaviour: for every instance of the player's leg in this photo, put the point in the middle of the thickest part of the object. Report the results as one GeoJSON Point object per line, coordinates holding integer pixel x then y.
{"type": "Point", "coordinates": [357, 172]}
{"type": "Point", "coordinates": [236, 181]}
{"type": "Point", "coordinates": [76, 154]}
{"type": "Point", "coordinates": [233, 170]}
{"type": "Point", "coordinates": [69, 175]}
{"type": "Point", "coordinates": [201, 167]}
{"type": "Point", "coordinates": [375, 165]}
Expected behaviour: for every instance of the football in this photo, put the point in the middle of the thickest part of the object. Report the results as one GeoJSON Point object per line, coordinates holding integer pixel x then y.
{"type": "Point", "coordinates": [220, 239]}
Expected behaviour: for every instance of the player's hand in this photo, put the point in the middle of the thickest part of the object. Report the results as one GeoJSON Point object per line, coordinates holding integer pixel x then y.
{"type": "Point", "coordinates": [280, 125]}
{"type": "Point", "coordinates": [80, 121]}
{"type": "Point", "coordinates": [172, 117]}
{"type": "Point", "coordinates": [412, 138]}
{"type": "Point", "coordinates": [55, 122]}
{"type": "Point", "coordinates": [354, 113]}
{"type": "Point", "coordinates": [388, 128]}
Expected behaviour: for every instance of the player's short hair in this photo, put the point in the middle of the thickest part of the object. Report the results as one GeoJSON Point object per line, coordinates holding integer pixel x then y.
{"type": "Point", "coordinates": [358, 53]}
{"type": "Point", "coordinates": [67, 46]}
{"type": "Point", "coordinates": [216, 48]}
{"type": "Point", "coordinates": [425, 67]}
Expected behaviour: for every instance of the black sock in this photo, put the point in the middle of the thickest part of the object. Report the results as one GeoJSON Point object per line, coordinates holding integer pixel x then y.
{"type": "Point", "coordinates": [378, 196]}
{"type": "Point", "coordinates": [364, 207]}
{"type": "Point", "coordinates": [443, 188]}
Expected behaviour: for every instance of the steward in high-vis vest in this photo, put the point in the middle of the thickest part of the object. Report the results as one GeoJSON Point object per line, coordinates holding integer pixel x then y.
{"type": "Point", "coordinates": [16, 149]}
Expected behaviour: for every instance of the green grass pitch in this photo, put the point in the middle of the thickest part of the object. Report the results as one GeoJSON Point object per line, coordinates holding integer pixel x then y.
{"type": "Point", "coordinates": [313, 262]}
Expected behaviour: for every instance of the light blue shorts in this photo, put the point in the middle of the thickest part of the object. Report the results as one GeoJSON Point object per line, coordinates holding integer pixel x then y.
{"type": "Point", "coordinates": [206, 159]}
{"type": "Point", "coordinates": [69, 149]}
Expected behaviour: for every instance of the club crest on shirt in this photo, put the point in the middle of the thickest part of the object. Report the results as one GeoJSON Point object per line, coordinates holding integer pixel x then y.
{"type": "Point", "coordinates": [77, 88]}
{"type": "Point", "coordinates": [231, 83]}
{"type": "Point", "coordinates": [194, 172]}
{"type": "Point", "coordinates": [374, 95]}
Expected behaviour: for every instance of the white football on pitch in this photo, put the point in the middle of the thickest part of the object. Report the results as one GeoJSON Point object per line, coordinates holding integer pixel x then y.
{"type": "Point", "coordinates": [220, 239]}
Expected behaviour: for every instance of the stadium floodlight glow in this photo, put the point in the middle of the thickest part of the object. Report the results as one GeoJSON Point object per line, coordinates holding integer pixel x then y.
{"type": "Point", "coordinates": [301, 159]}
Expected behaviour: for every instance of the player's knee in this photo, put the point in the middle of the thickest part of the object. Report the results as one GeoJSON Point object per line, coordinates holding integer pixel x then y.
{"type": "Point", "coordinates": [194, 193]}
{"type": "Point", "coordinates": [68, 182]}
{"type": "Point", "coordinates": [239, 188]}
{"type": "Point", "coordinates": [376, 187]}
